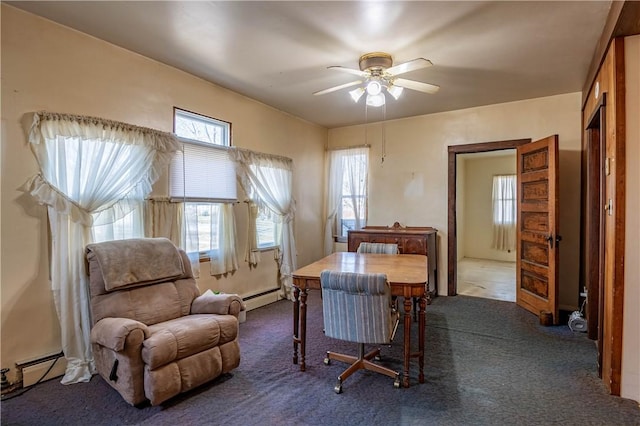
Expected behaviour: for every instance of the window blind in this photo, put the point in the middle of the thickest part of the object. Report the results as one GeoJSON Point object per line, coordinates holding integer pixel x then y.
{"type": "Point", "coordinates": [202, 173]}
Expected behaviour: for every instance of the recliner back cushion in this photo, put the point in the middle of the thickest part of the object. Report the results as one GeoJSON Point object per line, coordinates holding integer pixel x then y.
{"type": "Point", "coordinates": [136, 261]}
{"type": "Point", "coordinates": [96, 280]}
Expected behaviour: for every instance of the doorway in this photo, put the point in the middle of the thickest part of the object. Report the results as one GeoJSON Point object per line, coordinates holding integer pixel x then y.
{"type": "Point", "coordinates": [593, 225]}
{"type": "Point", "coordinates": [486, 231]}
{"type": "Point", "coordinates": [488, 279]}
{"type": "Point", "coordinates": [453, 208]}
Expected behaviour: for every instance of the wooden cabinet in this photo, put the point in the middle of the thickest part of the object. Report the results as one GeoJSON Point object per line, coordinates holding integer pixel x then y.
{"type": "Point", "coordinates": [410, 240]}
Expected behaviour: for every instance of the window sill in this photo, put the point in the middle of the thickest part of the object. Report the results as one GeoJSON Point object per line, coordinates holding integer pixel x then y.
{"type": "Point", "coordinates": [261, 249]}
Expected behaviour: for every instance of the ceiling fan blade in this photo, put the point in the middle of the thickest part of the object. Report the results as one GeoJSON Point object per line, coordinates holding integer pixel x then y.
{"type": "Point", "coordinates": [412, 65]}
{"type": "Point", "coordinates": [333, 89]}
{"type": "Point", "coordinates": [416, 85]}
{"type": "Point", "coordinates": [349, 70]}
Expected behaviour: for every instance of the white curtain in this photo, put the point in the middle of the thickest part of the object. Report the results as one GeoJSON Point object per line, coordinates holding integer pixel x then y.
{"type": "Point", "coordinates": [268, 182]}
{"type": "Point", "coordinates": [347, 170]}
{"type": "Point", "coordinates": [504, 212]}
{"type": "Point", "coordinates": [252, 255]}
{"type": "Point", "coordinates": [163, 218]}
{"type": "Point", "coordinates": [92, 172]}
{"type": "Point", "coordinates": [191, 236]}
{"type": "Point", "coordinates": [129, 226]}
{"type": "Point", "coordinates": [225, 259]}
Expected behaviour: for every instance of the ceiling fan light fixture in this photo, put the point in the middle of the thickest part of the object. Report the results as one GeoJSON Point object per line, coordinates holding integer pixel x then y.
{"type": "Point", "coordinates": [376, 73]}
{"type": "Point", "coordinates": [374, 88]}
{"type": "Point", "coordinates": [376, 100]}
{"type": "Point", "coordinates": [395, 91]}
{"type": "Point", "coordinates": [356, 94]}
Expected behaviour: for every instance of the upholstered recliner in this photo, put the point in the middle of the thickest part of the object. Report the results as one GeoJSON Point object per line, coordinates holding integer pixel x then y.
{"type": "Point", "coordinates": [153, 335]}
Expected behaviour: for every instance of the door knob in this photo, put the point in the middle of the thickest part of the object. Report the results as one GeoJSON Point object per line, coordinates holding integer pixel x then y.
{"type": "Point", "coordinates": [551, 240]}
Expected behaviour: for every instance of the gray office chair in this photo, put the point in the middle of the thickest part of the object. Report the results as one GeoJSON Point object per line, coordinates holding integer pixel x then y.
{"type": "Point", "coordinates": [380, 248]}
{"type": "Point", "coordinates": [386, 248]}
{"type": "Point", "coordinates": [358, 308]}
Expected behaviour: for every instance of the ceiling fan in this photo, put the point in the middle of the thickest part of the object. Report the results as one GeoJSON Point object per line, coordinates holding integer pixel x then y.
{"type": "Point", "coordinates": [377, 72]}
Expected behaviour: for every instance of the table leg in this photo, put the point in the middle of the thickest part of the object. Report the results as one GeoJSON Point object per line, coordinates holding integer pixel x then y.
{"type": "Point", "coordinates": [407, 341]}
{"type": "Point", "coordinates": [421, 337]}
{"type": "Point", "coordinates": [296, 319]}
{"type": "Point", "coordinates": [303, 329]}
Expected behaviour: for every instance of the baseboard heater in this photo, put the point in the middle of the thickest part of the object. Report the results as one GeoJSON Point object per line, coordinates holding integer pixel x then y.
{"type": "Point", "coordinates": [30, 371]}
{"type": "Point", "coordinates": [261, 299]}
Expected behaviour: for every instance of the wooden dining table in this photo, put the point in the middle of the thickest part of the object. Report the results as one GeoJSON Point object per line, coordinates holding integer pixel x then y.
{"type": "Point", "coordinates": [407, 276]}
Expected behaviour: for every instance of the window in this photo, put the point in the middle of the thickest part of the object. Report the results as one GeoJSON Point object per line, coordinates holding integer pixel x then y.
{"type": "Point", "coordinates": [120, 224]}
{"type": "Point", "coordinates": [268, 224]}
{"type": "Point", "coordinates": [346, 199]}
{"type": "Point", "coordinates": [205, 217]}
{"type": "Point", "coordinates": [504, 212]}
{"type": "Point", "coordinates": [353, 206]}
{"type": "Point", "coordinates": [353, 214]}
{"type": "Point", "coordinates": [198, 128]}
{"type": "Point", "coordinates": [203, 177]}
{"type": "Point", "coordinates": [268, 231]}
{"type": "Point", "coordinates": [129, 226]}
{"type": "Point", "coordinates": [504, 199]}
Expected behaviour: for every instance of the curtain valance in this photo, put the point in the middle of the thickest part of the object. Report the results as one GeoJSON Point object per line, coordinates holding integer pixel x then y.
{"type": "Point", "coordinates": [144, 153]}
{"type": "Point", "coordinates": [51, 124]}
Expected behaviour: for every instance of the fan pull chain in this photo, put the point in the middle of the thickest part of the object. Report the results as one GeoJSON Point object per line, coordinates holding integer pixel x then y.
{"type": "Point", "coordinates": [366, 124]}
{"type": "Point", "coordinates": [384, 133]}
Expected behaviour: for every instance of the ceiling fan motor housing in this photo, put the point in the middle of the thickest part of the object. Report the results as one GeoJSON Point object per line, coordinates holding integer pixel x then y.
{"type": "Point", "coordinates": [376, 61]}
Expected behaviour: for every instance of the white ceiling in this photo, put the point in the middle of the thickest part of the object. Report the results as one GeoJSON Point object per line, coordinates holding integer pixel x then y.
{"type": "Point", "coordinates": [278, 52]}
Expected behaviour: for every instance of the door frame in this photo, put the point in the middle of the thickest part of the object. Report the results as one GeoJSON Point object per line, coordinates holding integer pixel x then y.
{"type": "Point", "coordinates": [593, 222]}
{"type": "Point", "coordinates": [452, 233]}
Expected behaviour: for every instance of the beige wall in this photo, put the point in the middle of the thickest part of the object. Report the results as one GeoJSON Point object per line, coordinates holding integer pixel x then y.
{"type": "Point", "coordinates": [630, 385]}
{"type": "Point", "coordinates": [477, 209]}
{"type": "Point", "coordinates": [411, 185]}
{"type": "Point", "coordinates": [46, 66]}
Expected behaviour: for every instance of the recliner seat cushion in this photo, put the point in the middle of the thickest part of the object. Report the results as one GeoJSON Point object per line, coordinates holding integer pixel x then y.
{"type": "Point", "coordinates": [182, 337]}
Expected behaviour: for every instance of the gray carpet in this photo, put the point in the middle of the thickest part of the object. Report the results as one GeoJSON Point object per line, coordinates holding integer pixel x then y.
{"type": "Point", "coordinates": [487, 363]}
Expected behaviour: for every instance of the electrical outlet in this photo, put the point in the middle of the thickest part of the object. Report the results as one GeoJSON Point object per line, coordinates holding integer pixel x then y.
{"type": "Point", "coordinates": [4, 383]}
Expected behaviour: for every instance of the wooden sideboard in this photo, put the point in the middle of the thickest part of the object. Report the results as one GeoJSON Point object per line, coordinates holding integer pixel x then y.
{"type": "Point", "coordinates": [410, 240]}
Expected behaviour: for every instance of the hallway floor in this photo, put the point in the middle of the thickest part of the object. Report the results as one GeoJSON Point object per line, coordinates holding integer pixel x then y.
{"type": "Point", "coordinates": [487, 278]}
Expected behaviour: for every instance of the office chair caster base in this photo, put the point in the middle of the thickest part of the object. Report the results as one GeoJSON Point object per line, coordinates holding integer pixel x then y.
{"type": "Point", "coordinates": [338, 387]}
{"type": "Point", "coordinates": [327, 361]}
{"type": "Point", "coordinates": [396, 383]}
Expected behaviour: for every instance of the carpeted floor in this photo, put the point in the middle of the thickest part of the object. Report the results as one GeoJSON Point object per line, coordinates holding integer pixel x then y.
{"type": "Point", "coordinates": [487, 363]}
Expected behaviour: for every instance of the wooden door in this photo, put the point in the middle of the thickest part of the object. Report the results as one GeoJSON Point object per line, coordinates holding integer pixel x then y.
{"type": "Point", "coordinates": [537, 234]}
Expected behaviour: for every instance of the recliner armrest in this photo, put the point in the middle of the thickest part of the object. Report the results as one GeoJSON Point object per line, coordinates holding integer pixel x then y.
{"type": "Point", "coordinates": [112, 332]}
{"type": "Point", "coordinates": [222, 304]}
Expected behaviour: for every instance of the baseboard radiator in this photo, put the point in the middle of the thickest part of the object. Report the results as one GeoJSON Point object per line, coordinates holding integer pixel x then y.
{"type": "Point", "coordinates": [261, 299]}
{"type": "Point", "coordinates": [30, 371]}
